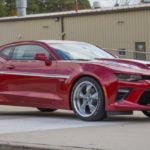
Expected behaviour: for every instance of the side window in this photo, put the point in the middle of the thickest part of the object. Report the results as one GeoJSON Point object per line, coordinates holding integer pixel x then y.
{"type": "Point", "coordinates": [27, 52]}
{"type": "Point", "coordinates": [7, 52]}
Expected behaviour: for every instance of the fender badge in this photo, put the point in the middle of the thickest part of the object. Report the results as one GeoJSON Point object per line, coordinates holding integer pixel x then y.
{"type": "Point", "coordinates": [61, 80]}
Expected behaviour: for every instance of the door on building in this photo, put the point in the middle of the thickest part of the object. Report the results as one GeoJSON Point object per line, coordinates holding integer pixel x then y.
{"type": "Point", "coordinates": [140, 47]}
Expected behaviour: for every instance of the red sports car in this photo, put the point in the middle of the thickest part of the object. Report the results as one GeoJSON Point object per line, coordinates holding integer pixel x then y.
{"type": "Point", "coordinates": [76, 76]}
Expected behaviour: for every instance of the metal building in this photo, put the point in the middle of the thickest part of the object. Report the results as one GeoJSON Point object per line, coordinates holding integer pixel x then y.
{"type": "Point", "coordinates": [125, 28]}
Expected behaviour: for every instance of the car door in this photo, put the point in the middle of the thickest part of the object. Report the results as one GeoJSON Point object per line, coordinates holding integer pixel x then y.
{"type": "Point", "coordinates": [25, 79]}
{"type": "Point", "coordinates": [5, 55]}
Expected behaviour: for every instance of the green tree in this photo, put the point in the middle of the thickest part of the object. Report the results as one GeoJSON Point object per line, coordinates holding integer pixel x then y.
{"type": "Point", "coordinates": [59, 5]}
{"type": "Point", "coordinates": [143, 2]}
{"type": "Point", "coordinates": [3, 9]}
{"type": "Point", "coordinates": [42, 6]}
{"type": "Point", "coordinates": [84, 4]}
{"type": "Point", "coordinates": [117, 3]}
{"type": "Point", "coordinates": [33, 7]}
{"type": "Point", "coordinates": [10, 7]}
{"type": "Point", "coordinates": [65, 5]}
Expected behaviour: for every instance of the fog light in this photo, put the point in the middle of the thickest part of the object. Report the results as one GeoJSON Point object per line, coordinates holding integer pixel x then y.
{"type": "Point", "coordinates": [122, 94]}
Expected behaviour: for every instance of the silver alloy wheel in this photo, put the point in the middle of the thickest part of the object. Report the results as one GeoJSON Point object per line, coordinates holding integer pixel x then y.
{"type": "Point", "coordinates": [85, 99]}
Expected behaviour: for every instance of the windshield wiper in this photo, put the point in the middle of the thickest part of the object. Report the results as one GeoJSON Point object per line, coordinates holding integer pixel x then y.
{"type": "Point", "coordinates": [82, 59]}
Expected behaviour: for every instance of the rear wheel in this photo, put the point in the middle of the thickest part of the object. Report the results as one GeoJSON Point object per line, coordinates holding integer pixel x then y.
{"type": "Point", "coordinates": [46, 110]}
{"type": "Point", "coordinates": [87, 100]}
{"type": "Point", "coordinates": [147, 113]}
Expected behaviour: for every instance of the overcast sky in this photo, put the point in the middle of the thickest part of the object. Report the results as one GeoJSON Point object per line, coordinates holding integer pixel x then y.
{"type": "Point", "coordinates": [109, 3]}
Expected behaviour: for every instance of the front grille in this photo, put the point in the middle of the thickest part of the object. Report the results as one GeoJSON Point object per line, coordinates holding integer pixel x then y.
{"type": "Point", "coordinates": [146, 77]}
{"type": "Point", "coordinates": [145, 98]}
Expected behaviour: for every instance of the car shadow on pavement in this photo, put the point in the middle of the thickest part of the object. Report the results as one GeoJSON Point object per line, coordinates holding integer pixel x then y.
{"type": "Point", "coordinates": [137, 117]}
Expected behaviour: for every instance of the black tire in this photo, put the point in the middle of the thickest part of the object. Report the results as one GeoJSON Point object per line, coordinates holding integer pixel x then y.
{"type": "Point", "coordinates": [146, 113]}
{"type": "Point", "coordinates": [46, 110]}
{"type": "Point", "coordinates": [99, 113]}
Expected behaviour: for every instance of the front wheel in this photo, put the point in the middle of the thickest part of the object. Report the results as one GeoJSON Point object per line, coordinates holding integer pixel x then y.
{"type": "Point", "coordinates": [46, 109]}
{"type": "Point", "coordinates": [147, 113]}
{"type": "Point", "coordinates": [87, 100]}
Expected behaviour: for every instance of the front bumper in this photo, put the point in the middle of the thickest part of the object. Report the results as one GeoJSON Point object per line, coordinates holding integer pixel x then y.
{"type": "Point", "coordinates": [131, 102]}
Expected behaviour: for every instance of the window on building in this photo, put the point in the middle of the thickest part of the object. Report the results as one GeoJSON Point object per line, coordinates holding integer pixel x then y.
{"type": "Point", "coordinates": [121, 52]}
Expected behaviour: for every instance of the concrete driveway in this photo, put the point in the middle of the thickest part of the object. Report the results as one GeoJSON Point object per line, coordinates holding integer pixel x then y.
{"type": "Point", "coordinates": [62, 130]}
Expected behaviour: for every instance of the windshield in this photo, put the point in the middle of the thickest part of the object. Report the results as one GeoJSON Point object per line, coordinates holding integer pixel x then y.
{"type": "Point", "coordinates": [79, 51]}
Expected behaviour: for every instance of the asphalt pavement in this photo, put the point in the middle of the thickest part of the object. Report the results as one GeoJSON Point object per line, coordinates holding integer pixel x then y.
{"type": "Point", "coordinates": [21, 126]}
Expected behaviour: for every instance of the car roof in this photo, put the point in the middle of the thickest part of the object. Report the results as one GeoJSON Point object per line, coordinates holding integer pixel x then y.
{"type": "Point", "coordinates": [60, 41]}
{"type": "Point", "coordinates": [44, 41]}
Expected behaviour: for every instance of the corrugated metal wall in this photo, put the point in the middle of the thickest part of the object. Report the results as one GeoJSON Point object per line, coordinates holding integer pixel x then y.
{"type": "Point", "coordinates": [41, 29]}
{"type": "Point", "coordinates": [101, 29]}
{"type": "Point", "coordinates": [104, 31]}
{"type": "Point", "coordinates": [8, 32]}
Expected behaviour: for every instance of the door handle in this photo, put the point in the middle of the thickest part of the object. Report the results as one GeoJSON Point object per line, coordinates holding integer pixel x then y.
{"type": "Point", "coordinates": [11, 67]}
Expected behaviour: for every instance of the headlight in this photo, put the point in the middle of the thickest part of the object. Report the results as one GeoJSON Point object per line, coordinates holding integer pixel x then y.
{"type": "Point", "coordinates": [127, 77]}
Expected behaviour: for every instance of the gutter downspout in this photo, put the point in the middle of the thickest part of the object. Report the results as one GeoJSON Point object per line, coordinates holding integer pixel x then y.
{"type": "Point", "coordinates": [62, 28]}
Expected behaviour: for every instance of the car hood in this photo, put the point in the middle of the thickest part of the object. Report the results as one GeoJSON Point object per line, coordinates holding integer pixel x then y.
{"type": "Point", "coordinates": [129, 63]}
{"type": "Point", "coordinates": [125, 65]}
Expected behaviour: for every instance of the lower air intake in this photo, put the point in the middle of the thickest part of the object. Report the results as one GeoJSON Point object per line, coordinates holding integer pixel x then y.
{"type": "Point", "coordinates": [145, 98]}
{"type": "Point", "coordinates": [122, 94]}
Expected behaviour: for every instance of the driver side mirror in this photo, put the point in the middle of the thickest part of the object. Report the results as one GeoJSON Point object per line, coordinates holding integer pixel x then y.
{"type": "Point", "coordinates": [42, 56]}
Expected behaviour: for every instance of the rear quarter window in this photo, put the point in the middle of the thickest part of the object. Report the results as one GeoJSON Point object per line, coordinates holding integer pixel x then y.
{"type": "Point", "coordinates": [7, 52]}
